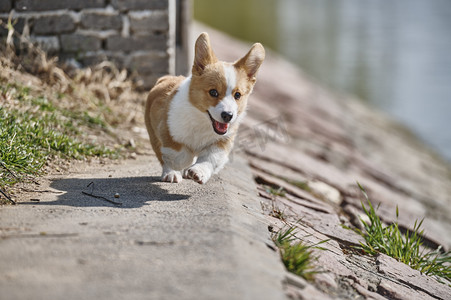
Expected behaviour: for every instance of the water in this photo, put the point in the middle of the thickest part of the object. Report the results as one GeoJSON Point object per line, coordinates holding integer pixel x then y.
{"type": "Point", "coordinates": [395, 55]}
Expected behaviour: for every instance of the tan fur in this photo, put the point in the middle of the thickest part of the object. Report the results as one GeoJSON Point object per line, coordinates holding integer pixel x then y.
{"type": "Point", "coordinates": [156, 114]}
{"type": "Point", "coordinates": [207, 74]}
{"type": "Point", "coordinates": [157, 107]}
{"type": "Point", "coordinates": [213, 77]}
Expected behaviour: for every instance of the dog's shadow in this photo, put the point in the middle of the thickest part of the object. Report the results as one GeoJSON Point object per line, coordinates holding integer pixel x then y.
{"type": "Point", "coordinates": [131, 192]}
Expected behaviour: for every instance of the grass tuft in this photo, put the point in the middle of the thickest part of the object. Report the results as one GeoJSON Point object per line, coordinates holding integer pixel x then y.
{"type": "Point", "coordinates": [297, 256]}
{"type": "Point", "coordinates": [48, 112]}
{"type": "Point", "coordinates": [407, 248]}
{"type": "Point", "coordinates": [276, 191]}
{"type": "Point", "coordinates": [303, 185]}
{"type": "Point", "coordinates": [33, 130]}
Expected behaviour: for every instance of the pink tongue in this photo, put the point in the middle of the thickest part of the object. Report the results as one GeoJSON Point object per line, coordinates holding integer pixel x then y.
{"type": "Point", "coordinates": [221, 127]}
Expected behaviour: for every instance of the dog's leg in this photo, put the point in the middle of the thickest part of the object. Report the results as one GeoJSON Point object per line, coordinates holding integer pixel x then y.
{"type": "Point", "coordinates": [170, 175]}
{"type": "Point", "coordinates": [174, 163]}
{"type": "Point", "coordinates": [209, 162]}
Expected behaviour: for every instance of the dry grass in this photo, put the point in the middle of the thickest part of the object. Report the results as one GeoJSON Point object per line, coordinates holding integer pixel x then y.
{"type": "Point", "coordinates": [75, 109]}
{"type": "Point", "coordinates": [102, 90]}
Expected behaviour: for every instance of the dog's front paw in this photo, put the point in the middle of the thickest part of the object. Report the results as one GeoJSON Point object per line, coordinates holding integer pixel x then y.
{"type": "Point", "coordinates": [171, 176]}
{"type": "Point", "coordinates": [185, 174]}
{"type": "Point", "coordinates": [198, 173]}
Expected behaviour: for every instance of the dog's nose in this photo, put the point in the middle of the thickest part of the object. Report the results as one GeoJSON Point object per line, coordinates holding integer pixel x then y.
{"type": "Point", "coordinates": [226, 116]}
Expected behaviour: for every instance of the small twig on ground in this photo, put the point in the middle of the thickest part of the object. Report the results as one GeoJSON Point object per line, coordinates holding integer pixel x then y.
{"type": "Point", "coordinates": [7, 169]}
{"type": "Point", "coordinates": [39, 235]}
{"type": "Point", "coordinates": [93, 185]}
{"type": "Point", "coordinates": [34, 181]}
{"type": "Point", "coordinates": [103, 198]}
{"type": "Point", "coordinates": [7, 197]}
{"type": "Point", "coordinates": [40, 191]}
{"type": "Point", "coordinates": [14, 174]}
{"type": "Point", "coordinates": [99, 197]}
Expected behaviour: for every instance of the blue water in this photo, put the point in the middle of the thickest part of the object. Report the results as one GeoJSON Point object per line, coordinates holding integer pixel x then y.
{"type": "Point", "coordinates": [396, 55]}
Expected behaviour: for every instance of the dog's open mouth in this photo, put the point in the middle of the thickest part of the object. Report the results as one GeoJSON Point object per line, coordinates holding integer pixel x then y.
{"type": "Point", "coordinates": [218, 127]}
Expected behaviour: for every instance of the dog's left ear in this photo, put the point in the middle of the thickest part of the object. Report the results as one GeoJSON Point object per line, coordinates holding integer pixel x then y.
{"type": "Point", "coordinates": [252, 61]}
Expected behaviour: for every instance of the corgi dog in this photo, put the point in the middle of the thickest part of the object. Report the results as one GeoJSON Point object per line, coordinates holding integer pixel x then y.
{"type": "Point", "coordinates": [192, 121]}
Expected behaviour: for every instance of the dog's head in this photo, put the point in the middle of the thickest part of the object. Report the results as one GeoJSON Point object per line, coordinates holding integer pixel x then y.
{"type": "Point", "coordinates": [221, 89]}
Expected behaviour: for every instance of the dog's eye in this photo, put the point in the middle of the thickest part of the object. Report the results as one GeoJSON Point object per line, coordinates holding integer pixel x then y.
{"type": "Point", "coordinates": [237, 95]}
{"type": "Point", "coordinates": [213, 93]}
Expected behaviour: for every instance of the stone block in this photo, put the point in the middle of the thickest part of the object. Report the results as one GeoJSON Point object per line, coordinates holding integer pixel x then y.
{"type": "Point", "coordinates": [149, 63]}
{"type": "Point", "coordinates": [133, 43]}
{"type": "Point", "coordinates": [80, 42]}
{"type": "Point", "coordinates": [3, 30]}
{"type": "Point", "coordinates": [148, 21]}
{"type": "Point", "coordinates": [409, 277]}
{"type": "Point", "coordinates": [49, 44]}
{"type": "Point", "coordinates": [126, 5]}
{"type": "Point", "coordinates": [45, 25]}
{"type": "Point", "coordinates": [94, 58]}
{"type": "Point", "coordinates": [42, 5]}
{"type": "Point", "coordinates": [5, 5]}
{"type": "Point", "coordinates": [101, 20]}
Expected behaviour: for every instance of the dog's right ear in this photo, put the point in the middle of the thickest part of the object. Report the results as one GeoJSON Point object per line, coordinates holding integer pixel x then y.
{"type": "Point", "coordinates": [203, 54]}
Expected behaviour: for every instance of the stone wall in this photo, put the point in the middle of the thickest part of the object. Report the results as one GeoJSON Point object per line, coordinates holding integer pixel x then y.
{"type": "Point", "coordinates": [141, 35]}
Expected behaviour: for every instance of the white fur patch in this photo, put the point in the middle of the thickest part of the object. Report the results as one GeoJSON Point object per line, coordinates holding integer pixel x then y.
{"type": "Point", "coordinates": [230, 75]}
{"type": "Point", "coordinates": [210, 162]}
{"type": "Point", "coordinates": [228, 103]}
{"type": "Point", "coordinates": [216, 156]}
{"type": "Point", "coordinates": [199, 173]}
{"type": "Point", "coordinates": [177, 160]}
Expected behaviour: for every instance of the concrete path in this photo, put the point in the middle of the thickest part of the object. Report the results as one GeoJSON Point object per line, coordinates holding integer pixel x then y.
{"type": "Point", "coordinates": [166, 241]}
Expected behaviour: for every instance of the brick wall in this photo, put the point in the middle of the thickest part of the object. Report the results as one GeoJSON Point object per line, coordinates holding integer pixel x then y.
{"type": "Point", "coordinates": [141, 35]}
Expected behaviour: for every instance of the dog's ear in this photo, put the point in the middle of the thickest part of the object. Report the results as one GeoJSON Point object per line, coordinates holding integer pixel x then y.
{"type": "Point", "coordinates": [203, 54]}
{"type": "Point", "coordinates": [252, 61]}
